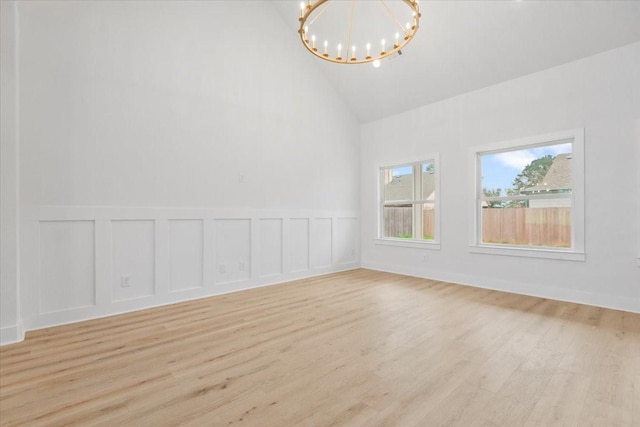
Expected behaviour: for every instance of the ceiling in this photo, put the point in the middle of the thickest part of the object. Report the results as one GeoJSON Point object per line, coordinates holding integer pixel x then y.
{"type": "Point", "coordinates": [467, 45]}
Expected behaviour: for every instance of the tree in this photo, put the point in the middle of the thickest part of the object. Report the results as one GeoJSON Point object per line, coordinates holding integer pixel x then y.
{"type": "Point", "coordinates": [495, 192]}
{"type": "Point", "coordinates": [532, 174]}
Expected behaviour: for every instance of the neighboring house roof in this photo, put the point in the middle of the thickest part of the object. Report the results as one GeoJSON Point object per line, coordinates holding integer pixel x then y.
{"type": "Point", "coordinates": [400, 187]}
{"type": "Point", "coordinates": [557, 179]}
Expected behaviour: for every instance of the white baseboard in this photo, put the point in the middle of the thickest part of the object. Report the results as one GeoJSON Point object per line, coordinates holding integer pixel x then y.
{"type": "Point", "coordinates": [540, 291]}
{"type": "Point", "coordinates": [11, 334]}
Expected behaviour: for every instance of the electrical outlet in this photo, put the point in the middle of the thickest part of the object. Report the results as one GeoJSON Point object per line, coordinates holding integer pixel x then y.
{"type": "Point", "coordinates": [124, 281]}
{"type": "Point", "coordinates": [223, 269]}
{"type": "Point", "coordinates": [241, 266]}
{"type": "Point", "coordinates": [425, 258]}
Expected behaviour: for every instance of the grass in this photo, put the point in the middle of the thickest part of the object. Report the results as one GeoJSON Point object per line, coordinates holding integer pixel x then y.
{"type": "Point", "coordinates": [409, 236]}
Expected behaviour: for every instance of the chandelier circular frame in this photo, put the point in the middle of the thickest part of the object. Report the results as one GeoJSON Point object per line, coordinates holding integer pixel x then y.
{"type": "Point", "coordinates": [307, 13]}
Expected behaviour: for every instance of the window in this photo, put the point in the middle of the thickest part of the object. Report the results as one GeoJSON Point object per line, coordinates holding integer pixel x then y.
{"type": "Point", "coordinates": [409, 203]}
{"type": "Point", "coordinates": [529, 196]}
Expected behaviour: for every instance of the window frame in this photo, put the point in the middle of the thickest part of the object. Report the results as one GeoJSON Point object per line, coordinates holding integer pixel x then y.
{"type": "Point", "coordinates": [577, 250]}
{"type": "Point", "coordinates": [416, 165]}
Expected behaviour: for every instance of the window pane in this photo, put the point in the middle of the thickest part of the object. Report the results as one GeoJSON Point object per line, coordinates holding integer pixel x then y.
{"type": "Point", "coordinates": [428, 181]}
{"type": "Point", "coordinates": [532, 170]}
{"type": "Point", "coordinates": [428, 221]}
{"type": "Point", "coordinates": [398, 183]}
{"type": "Point", "coordinates": [408, 196]}
{"type": "Point", "coordinates": [536, 222]}
{"type": "Point", "coordinates": [398, 221]}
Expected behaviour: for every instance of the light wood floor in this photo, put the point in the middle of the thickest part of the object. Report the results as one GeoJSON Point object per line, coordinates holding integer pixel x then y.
{"type": "Point", "coordinates": [355, 348]}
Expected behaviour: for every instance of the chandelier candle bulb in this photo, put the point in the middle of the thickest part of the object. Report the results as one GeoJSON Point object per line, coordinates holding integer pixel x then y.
{"type": "Point", "coordinates": [301, 10]}
{"type": "Point", "coordinates": [313, 42]}
{"type": "Point", "coordinates": [326, 45]}
{"type": "Point", "coordinates": [397, 40]}
{"type": "Point", "coordinates": [382, 43]}
{"type": "Point", "coordinates": [353, 52]}
{"type": "Point", "coordinates": [368, 51]}
{"type": "Point", "coordinates": [339, 57]}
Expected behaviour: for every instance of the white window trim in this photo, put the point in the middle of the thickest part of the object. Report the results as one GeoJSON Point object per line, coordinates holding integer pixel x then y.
{"type": "Point", "coordinates": [409, 243]}
{"type": "Point", "coordinates": [577, 250]}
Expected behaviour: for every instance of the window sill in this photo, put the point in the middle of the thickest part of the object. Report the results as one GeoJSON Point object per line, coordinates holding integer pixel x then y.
{"type": "Point", "coordinates": [409, 243]}
{"type": "Point", "coordinates": [546, 253]}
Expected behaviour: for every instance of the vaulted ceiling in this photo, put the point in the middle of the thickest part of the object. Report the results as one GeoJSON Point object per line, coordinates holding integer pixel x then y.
{"type": "Point", "coordinates": [467, 45]}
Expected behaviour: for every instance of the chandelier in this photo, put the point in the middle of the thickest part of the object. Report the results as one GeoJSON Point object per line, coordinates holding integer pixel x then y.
{"type": "Point", "coordinates": [356, 32]}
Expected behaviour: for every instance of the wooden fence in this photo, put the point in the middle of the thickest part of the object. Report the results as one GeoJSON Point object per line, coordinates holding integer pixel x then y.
{"type": "Point", "coordinates": [527, 226]}
{"type": "Point", "coordinates": [514, 226]}
{"type": "Point", "coordinates": [398, 222]}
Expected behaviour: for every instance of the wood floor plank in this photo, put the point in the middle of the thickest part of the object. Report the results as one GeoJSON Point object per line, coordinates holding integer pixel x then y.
{"type": "Point", "coordinates": [347, 349]}
{"type": "Point", "coordinates": [553, 409]}
{"type": "Point", "coordinates": [461, 407]}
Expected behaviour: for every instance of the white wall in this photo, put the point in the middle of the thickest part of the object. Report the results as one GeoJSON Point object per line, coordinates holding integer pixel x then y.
{"type": "Point", "coordinates": [10, 319]}
{"type": "Point", "coordinates": [177, 144]}
{"type": "Point", "coordinates": [599, 94]}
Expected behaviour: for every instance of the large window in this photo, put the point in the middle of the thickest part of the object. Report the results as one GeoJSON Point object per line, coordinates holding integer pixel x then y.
{"type": "Point", "coordinates": [409, 202]}
{"type": "Point", "coordinates": [529, 195]}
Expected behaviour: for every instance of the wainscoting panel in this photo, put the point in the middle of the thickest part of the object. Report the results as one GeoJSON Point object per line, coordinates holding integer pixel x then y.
{"type": "Point", "coordinates": [186, 247]}
{"type": "Point", "coordinates": [233, 250]}
{"type": "Point", "coordinates": [299, 244]}
{"type": "Point", "coordinates": [87, 262]}
{"type": "Point", "coordinates": [321, 242]}
{"type": "Point", "coordinates": [133, 259]}
{"type": "Point", "coordinates": [67, 265]}
{"type": "Point", "coordinates": [270, 247]}
{"type": "Point", "coordinates": [345, 237]}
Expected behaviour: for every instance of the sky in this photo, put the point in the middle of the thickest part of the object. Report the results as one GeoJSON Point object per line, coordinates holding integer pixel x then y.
{"type": "Point", "coordinates": [406, 170]}
{"type": "Point", "coordinates": [500, 169]}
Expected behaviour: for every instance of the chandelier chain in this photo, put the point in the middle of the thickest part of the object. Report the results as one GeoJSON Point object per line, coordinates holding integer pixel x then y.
{"type": "Point", "coordinates": [325, 7]}
{"type": "Point", "coordinates": [392, 15]}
